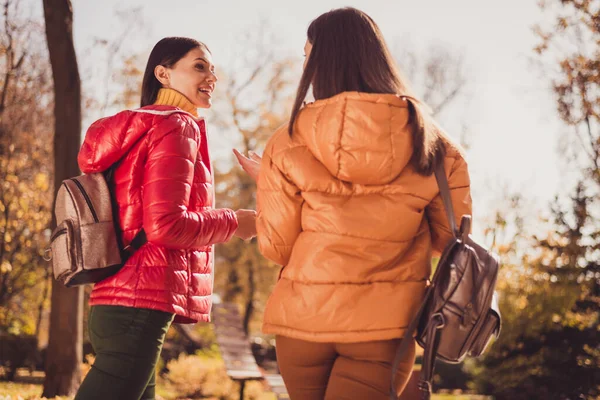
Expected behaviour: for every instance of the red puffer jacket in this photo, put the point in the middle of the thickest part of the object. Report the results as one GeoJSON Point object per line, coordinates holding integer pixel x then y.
{"type": "Point", "coordinates": [163, 184]}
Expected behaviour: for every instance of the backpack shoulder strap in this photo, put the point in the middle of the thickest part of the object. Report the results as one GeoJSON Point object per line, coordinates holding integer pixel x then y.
{"type": "Point", "coordinates": [403, 347]}
{"type": "Point", "coordinates": [138, 241]}
{"type": "Point", "coordinates": [424, 384]}
{"type": "Point", "coordinates": [442, 181]}
{"type": "Point", "coordinates": [140, 238]}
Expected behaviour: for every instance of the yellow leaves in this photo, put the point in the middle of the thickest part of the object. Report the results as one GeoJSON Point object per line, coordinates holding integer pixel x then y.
{"type": "Point", "coordinates": [5, 267]}
{"type": "Point", "coordinates": [24, 257]}
{"type": "Point", "coordinates": [24, 204]}
{"type": "Point", "coordinates": [41, 181]}
{"type": "Point", "coordinates": [502, 285]}
{"type": "Point", "coordinates": [539, 49]}
{"type": "Point", "coordinates": [504, 248]}
{"type": "Point", "coordinates": [562, 23]}
{"type": "Point", "coordinates": [545, 39]}
{"type": "Point", "coordinates": [12, 178]}
{"type": "Point", "coordinates": [7, 237]}
{"type": "Point", "coordinates": [556, 318]}
{"type": "Point", "coordinates": [522, 302]}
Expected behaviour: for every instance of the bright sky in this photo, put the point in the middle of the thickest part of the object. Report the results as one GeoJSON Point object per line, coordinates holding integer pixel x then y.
{"type": "Point", "coordinates": [511, 114]}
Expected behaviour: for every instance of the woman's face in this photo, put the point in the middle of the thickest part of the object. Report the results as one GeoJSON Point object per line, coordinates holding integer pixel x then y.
{"type": "Point", "coordinates": [193, 76]}
{"type": "Point", "coordinates": [307, 49]}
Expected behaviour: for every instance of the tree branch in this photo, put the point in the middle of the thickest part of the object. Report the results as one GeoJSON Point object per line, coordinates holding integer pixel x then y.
{"type": "Point", "coordinates": [9, 55]}
{"type": "Point", "coordinates": [448, 99]}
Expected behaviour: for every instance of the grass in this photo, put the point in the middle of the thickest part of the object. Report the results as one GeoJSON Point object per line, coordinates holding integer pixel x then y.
{"type": "Point", "coordinates": [458, 397]}
{"type": "Point", "coordinates": [25, 391]}
{"type": "Point", "coordinates": [29, 387]}
{"type": "Point", "coordinates": [32, 391]}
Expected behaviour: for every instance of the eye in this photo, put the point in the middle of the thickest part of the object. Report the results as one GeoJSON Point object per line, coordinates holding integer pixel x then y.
{"type": "Point", "coordinates": [200, 67]}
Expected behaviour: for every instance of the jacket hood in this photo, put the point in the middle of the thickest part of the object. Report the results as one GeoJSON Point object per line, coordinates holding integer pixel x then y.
{"type": "Point", "coordinates": [361, 138]}
{"type": "Point", "coordinates": [109, 139]}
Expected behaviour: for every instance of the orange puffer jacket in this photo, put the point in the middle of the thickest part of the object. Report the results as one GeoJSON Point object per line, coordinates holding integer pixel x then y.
{"type": "Point", "coordinates": [341, 207]}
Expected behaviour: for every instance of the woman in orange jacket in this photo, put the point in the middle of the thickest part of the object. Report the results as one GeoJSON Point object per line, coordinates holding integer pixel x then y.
{"type": "Point", "coordinates": [349, 206]}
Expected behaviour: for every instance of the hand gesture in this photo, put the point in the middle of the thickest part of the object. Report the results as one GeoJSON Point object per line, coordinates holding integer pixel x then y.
{"type": "Point", "coordinates": [249, 164]}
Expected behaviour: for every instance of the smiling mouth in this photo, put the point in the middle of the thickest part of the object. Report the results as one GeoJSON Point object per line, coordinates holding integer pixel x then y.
{"type": "Point", "coordinates": [207, 92]}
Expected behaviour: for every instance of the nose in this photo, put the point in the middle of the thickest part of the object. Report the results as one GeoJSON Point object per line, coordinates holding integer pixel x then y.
{"type": "Point", "coordinates": [212, 77]}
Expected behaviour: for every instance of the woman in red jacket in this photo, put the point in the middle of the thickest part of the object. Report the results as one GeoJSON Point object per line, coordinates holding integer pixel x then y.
{"type": "Point", "coordinates": [163, 185]}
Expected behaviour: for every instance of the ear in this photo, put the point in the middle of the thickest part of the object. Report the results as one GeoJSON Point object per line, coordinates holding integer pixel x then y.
{"type": "Point", "coordinates": [162, 74]}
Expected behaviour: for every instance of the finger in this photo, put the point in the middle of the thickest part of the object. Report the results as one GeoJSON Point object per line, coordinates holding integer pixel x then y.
{"type": "Point", "coordinates": [242, 160]}
{"type": "Point", "coordinates": [238, 154]}
{"type": "Point", "coordinates": [255, 157]}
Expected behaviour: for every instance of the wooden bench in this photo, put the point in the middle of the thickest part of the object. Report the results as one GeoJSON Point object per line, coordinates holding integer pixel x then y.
{"type": "Point", "coordinates": [236, 352]}
{"type": "Point", "coordinates": [241, 364]}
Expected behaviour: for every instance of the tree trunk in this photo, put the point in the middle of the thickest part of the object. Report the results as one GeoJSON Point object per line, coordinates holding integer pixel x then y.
{"type": "Point", "coordinates": [251, 296]}
{"type": "Point", "coordinates": [64, 353]}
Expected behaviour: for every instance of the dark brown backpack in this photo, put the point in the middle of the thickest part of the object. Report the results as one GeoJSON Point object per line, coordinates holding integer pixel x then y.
{"type": "Point", "coordinates": [459, 315]}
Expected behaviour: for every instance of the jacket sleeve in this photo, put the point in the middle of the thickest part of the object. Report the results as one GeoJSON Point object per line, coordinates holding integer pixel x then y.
{"type": "Point", "coordinates": [279, 208]}
{"type": "Point", "coordinates": [168, 178]}
{"type": "Point", "coordinates": [460, 193]}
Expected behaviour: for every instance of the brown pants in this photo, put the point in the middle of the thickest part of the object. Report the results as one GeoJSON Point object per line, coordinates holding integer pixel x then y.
{"type": "Point", "coordinates": [342, 371]}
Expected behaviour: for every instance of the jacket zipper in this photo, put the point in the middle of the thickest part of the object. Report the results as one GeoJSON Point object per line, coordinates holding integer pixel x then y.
{"type": "Point", "coordinates": [87, 199]}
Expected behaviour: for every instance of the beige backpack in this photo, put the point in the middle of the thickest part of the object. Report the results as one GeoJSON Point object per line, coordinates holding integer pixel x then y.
{"type": "Point", "coordinates": [86, 245]}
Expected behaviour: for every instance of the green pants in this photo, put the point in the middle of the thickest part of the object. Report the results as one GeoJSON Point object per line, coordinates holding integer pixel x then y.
{"type": "Point", "coordinates": [127, 342]}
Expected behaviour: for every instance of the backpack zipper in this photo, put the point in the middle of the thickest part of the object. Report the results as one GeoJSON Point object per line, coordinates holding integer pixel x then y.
{"type": "Point", "coordinates": [488, 297]}
{"type": "Point", "coordinates": [58, 233]}
{"type": "Point", "coordinates": [87, 199]}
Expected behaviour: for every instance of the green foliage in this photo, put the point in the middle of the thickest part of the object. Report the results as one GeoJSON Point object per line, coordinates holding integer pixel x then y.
{"type": "Point", "coordinates": [548, 348]}
{"type": "Point", "coordinates": [550, 344]}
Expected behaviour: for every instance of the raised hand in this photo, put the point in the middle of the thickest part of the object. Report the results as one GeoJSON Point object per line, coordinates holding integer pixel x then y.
{"type": "Point", "coordinates": [249, 164]}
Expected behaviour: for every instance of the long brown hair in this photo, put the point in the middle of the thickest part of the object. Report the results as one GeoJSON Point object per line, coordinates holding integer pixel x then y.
{"type": "Point", "coordinates": [166, 53]}
{"type": "Point", "coordinates": [349, 54]}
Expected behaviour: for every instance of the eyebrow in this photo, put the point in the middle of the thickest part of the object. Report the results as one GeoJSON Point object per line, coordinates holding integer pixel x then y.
{"type": "Point", "coordinates": [202, 59]}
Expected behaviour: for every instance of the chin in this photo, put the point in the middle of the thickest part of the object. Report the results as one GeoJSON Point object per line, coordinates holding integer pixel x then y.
{"type": "Point", "coordinates": [204, 104]}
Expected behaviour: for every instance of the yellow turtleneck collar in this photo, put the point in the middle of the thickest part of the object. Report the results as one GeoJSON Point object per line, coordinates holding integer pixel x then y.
{"type": "Point", "coordinates": [171, 97]}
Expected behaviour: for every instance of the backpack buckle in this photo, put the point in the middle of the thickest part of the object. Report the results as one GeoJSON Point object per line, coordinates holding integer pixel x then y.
{"type": "Point", "coordinates": [426, 388]}
{"type": "Point", "coordinates": [441, 322]}
{"type": "Point", "coordinates": [47, 254]}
